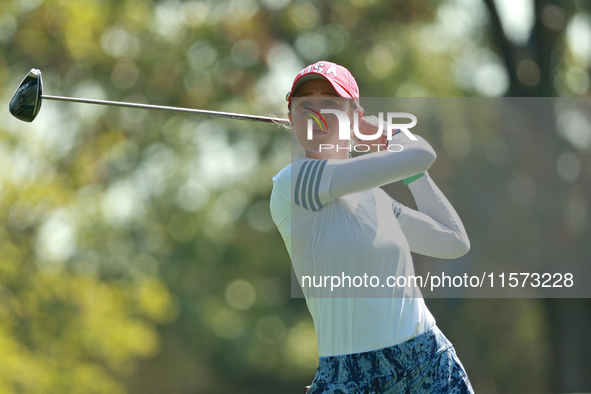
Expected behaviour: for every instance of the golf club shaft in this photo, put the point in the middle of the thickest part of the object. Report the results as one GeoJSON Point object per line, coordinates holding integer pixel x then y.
{"type": "Point", "coordinates": [230, 115]}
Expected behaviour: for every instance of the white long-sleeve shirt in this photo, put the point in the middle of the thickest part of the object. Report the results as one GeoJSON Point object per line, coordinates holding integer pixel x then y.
{"type": "Point", "coordinates": [335, 221]}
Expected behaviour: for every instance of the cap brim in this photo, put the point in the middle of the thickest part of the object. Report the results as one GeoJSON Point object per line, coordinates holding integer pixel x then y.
{"type": "Point", "coordinates": [311, 76]}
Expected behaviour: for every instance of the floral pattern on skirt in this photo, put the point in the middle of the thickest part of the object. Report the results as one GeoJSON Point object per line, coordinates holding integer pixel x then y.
{"type": "Point", "coordinates": [426, 363]}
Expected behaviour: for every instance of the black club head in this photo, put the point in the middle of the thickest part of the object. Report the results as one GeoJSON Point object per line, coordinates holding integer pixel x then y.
{"type": "Point", "coordinates": [26, 101]}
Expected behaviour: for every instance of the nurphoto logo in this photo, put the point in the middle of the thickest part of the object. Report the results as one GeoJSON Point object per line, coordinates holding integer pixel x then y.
{"type": "Point", "coordinates": [345, 127]}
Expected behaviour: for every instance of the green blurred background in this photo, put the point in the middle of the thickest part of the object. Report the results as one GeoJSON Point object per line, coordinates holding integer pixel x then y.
{"type": "Point", "coordinates": [137, 251]}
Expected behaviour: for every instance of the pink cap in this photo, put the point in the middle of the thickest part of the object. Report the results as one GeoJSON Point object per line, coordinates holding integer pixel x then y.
{"type": "Point", "coordinates": [339, 77]}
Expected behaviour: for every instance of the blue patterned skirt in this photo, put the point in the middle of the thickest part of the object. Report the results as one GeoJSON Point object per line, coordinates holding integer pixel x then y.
{"type": "Point", "coordinates": [426, 363]}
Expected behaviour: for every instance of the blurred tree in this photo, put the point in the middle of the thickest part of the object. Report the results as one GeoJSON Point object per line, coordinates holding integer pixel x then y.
{"type": "Point", "coordinates": [539, 68]}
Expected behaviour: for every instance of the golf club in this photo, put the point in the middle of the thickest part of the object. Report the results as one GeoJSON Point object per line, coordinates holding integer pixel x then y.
{"type": "Point", "coordinates": [26, 103]}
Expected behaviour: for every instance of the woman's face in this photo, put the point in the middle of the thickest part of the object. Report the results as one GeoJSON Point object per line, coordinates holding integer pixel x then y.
{"type": "Point", "coordinates": [306, 103]}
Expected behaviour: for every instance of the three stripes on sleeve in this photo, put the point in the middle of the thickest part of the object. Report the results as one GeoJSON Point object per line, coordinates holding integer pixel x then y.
{"type": "Point", "coordinates": [307, 186]}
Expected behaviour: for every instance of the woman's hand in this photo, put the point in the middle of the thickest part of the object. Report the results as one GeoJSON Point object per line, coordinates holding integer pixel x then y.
{"type": "Point", "coordinates": [401, 139]}
{"type": "Point", "coordinates": [369, 125]}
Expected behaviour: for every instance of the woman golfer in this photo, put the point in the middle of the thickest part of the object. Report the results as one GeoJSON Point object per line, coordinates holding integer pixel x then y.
{"type": "Point", "coordinates": [337, 222]}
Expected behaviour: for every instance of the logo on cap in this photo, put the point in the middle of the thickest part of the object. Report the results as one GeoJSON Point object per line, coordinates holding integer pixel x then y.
{"type": "Point", "coordinates": [339, 77]}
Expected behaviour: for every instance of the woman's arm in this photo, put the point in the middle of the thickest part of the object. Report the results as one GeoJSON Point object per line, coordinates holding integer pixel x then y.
{"type": "Point", "coordinates": [435, 229]}
{"type": "Point", "coordinates": [380, 168]}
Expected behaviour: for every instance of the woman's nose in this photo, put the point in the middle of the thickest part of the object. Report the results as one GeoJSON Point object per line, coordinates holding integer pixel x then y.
{"type": "Point", "coordinates": [318, 104]}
